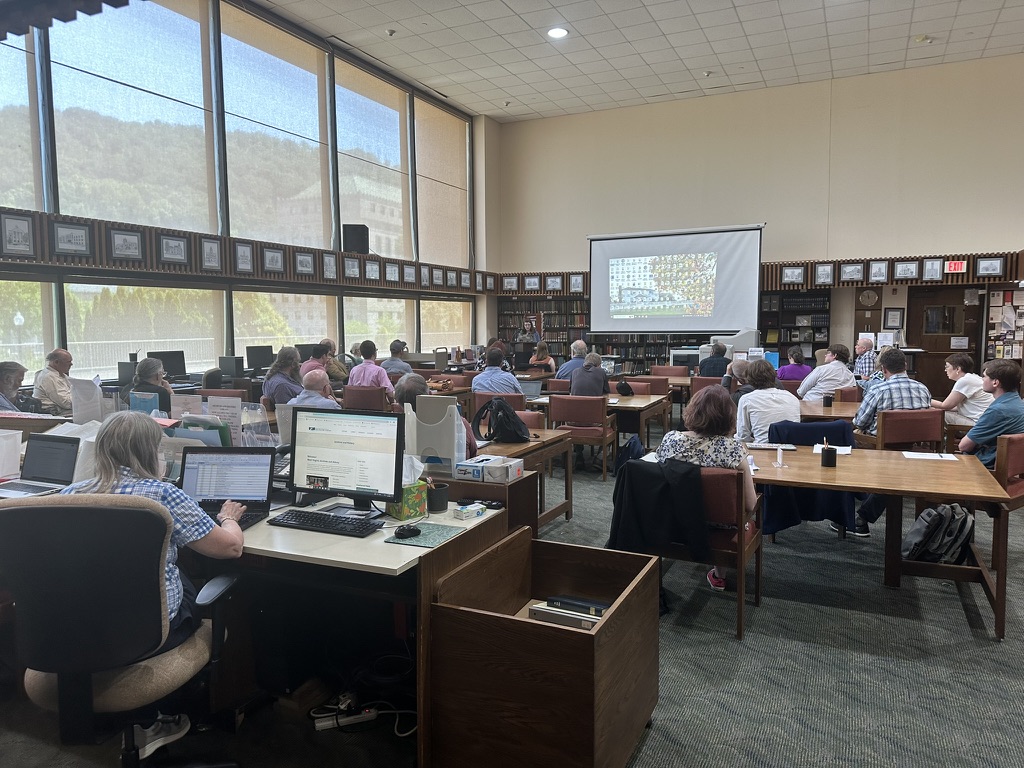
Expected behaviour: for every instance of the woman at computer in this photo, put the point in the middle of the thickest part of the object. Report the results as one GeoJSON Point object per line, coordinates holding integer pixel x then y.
{"type": "Point", "coordinates": [151, 377]}
{"type": "Point", "coordinates": [283, 382]}
{"type": "Point", "coordinates": [542, 358]}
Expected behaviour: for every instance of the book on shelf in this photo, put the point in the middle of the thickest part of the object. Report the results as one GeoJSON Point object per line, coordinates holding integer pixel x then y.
{"type": "Point", "coordinates": [579, 604]}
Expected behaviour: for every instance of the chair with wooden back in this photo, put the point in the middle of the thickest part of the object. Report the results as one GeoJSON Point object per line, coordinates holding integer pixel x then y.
{"type": "Point", "coordinates": [267, 403]}
{"type": "Point", "coordinates": [900, 430]}
{"type": "Point", "coordinates": [394, 377]}
{"type": "Point", "coordinates": [849, 394]}
{"type": "Point", "coordinates": [241, 394]}
{"type": "Point", "coordinates": [533, 419]}
{"type": "Point", "coordinates": [588, 421]}
{"type": "Point", "coordinates": [659, 386]}
{"type": "Point", "coordinates": [670, 370]}
{"type": "Point", "coordinates": [556, 385]}
{"type": "Point", "coordinates": [819, 356]}
{"type": "Point", "coordinates": [955, 433]}
{"type": "Point", "coordinates": [790, 386]}
{"type": "Point", "coordinates": [629, 421]}
{"type": "Point", "coordinates": [365, 399]}
{"type": "Point", "coordinates": [697, 383]}
{"type": "Point", "coordinates": [516, 400]}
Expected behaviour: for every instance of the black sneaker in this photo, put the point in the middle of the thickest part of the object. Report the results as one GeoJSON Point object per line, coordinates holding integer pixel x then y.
{"type": "Point", "coordinates": [861, 530]}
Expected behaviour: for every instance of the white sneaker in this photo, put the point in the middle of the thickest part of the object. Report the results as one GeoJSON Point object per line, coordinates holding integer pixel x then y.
{"type": "Point", "coordinates": [166, 729]}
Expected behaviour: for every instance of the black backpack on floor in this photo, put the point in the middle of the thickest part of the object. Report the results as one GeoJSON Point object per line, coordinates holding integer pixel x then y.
{"type": "Point", "coordinates": [503, 423]}
{"type": "Point", "coordinates": [940, 535]}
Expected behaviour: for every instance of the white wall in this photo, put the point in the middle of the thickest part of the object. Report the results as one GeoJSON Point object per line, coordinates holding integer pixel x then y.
{"type": "Point", "coordinates": [913, 162]}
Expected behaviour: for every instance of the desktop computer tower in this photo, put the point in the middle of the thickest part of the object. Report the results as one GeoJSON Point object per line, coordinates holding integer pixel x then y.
{"type": "Point", "coordinates": [355, 238]}
{"type": "Point", "coordinates": [231, 367]}
{"type": "Point", "coordinates": [125, 373]}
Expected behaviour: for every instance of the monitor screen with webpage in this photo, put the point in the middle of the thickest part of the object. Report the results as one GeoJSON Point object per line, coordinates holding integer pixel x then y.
{"type": "Point", "coordinates": [356, 454]}
{"type": "Point", "coordinates": [174, 363]}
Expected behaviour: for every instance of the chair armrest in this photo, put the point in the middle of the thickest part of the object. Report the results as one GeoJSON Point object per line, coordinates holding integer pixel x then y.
{"type": "Point", "coordinates": [215, 588]}
{"type": "Point", "coordinates": [612, 421]}
{"type": "Point", "coordinates": [210, 595]}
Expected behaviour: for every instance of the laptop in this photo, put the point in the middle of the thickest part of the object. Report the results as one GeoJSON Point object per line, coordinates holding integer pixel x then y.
{"type": "Point", "coordinates": [531, 389]}
{"type": "Point", "coordinates": [212, 476]}
{"type": "Point", "coordinates": [49, 466]}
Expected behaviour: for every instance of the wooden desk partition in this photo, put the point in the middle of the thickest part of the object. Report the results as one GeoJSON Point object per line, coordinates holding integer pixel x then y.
{"type": "Point", "coordinates": [31, 423]}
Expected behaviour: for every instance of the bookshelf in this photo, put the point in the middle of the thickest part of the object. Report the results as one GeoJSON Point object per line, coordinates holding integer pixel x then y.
{"type": "Point", "coordinates": [561, 320]}
{"type": "Point", "coordinates": [790, 318]}
{"type": "Point", "coordinates": [639, 351]}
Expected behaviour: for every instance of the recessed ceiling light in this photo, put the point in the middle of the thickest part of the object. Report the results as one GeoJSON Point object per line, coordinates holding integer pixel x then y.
{"type": "Point", "coordinates": [557, 33]}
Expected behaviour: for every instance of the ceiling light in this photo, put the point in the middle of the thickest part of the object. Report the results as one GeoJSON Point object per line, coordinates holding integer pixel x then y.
{"type": "Point", "coordinates": [707, 73]}
{"type": "Point", "coordinates": [923, 39]}
{"type": "Point", "coordinates": [557, 33]}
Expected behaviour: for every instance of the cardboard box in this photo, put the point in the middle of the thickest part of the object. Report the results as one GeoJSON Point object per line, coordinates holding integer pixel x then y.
{"type": "Point", "coordinates": [504, 470]}
{"type": "Point", "coordinates": [473, 469]}
{"type": "Point", "coordinates": [413, 503]}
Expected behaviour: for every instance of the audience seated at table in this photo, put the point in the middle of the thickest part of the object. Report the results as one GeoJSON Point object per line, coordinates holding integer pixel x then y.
{"type": "Point", "coordinates": [494, 378]}
{"type": "Point", "coordinates": [412, 385]}
{"type": "Point", "coordinates": [541, 358]}
{"type": "Point", "coordinates": [319, 356]}
{"type": "Point", "coordinates": [736, 372]}
{"type": "Point", "coordinates": [864, 365]}
{"type": "Point", "coordinates": [12, 375]}
{"type": "Point", "coordinates": [828, 377]}
{"type": "Point", "coordinates": [150, 377]}
{"type": "Point", "coordinates": [494, 343]}
{"type": "Point", "coordinates": [797, 369]}
{"type": "Point", "coordinates": [590, 380]}
{"type": "Point", "coordinates": [710, 417]}
{"type": "Point", "coordinates": [52, 386]}
{"type": "Point", "coordinates": [395, 363]}
{"type": "Point", "coordinates": [283, 381]}
{"type": "Point", "coordinates": [968, 400]}
{"type": "Point", "coordinates": [764, 405]}
{"type": "Point", "coordinates": [716, 364]}
{"type": "Point", "coordinates": [316, 391]}
{"type": "Point", "coordinates": [897, 392]}
{"type": "Point", "coordinates": [335, 368]}
{"type": "Point", "coordinates": [578, 351]}
{"type": "Point", "coordinates": [368, 373]}
{"type": "Point", "coordinates": [1001, 378]}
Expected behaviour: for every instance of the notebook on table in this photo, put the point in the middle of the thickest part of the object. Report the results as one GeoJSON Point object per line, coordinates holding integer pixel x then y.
{"type": "Point", "coordinates": [49, 466]}
{"type": "Point", "coordinates": [212, 476]}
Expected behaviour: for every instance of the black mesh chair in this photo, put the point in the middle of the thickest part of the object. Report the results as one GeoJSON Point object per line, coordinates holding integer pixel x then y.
{"type": "Point", "coordinates": [87, 575]}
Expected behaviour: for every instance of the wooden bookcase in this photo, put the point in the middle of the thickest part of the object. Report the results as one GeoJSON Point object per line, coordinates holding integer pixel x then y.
{"type": "Point", "coordinates": [789, 318]}
{"type": "Point", "coordinates": [562, 320]}
{"type": "Point", "coordinates": [639, 351]}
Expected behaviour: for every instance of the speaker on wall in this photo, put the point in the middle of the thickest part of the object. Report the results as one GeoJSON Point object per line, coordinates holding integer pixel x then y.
{"type": "Point", "coordinates": [355, 238]}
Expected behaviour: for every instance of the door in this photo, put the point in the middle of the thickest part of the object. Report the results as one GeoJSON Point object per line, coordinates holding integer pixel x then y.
{"type": "Point", "coordinates": [935, 316]}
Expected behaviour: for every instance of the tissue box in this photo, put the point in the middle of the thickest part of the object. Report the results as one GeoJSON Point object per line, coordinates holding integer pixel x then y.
{"type": "Point", "coordinates": [504, 470]}
{"type": "Point", "coordinates": [469, 511]}
{"type": "Point", "coordinates": [413, 503]}
{"type": "Point", "coordinates": [473, 469]}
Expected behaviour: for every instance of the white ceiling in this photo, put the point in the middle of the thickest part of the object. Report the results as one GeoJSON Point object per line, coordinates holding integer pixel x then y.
{"type": "Point", "coordinates": [493, 57]}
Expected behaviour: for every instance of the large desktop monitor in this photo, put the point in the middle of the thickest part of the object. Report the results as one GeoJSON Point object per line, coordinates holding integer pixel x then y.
{"type": "Point", "coordinates": [174, 363]}
{"type": "Point", "coordinates": [305, 351]}
{"type": "Point", "coordinates": [260, 357]}
{"type": "Point", "coordinates": [356, 454]}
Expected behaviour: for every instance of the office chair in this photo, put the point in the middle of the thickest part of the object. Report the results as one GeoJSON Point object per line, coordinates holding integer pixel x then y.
{"type": "Point", "coordinates": [87, 575]}
{"type": "Point", "coordinates": [365, 398]}
{"type": "Point", "coordinates": [213, 379]}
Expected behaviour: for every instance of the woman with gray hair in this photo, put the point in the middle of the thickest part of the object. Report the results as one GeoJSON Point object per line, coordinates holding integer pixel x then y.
{"type": "Point", "coordinates": [151, 377]}
{"type": "Point", "coordinates": [283, 382]}
{"type": "Point", "coordinates": [12, 375]}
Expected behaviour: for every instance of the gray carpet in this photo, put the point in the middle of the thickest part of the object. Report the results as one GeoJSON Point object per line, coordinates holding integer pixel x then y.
{"type": "Point", "coordinates": [835, 669]}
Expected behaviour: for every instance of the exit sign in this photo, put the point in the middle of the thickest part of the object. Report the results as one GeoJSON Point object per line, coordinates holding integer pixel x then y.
{"type": "Point", "coordinates": [955, 266]}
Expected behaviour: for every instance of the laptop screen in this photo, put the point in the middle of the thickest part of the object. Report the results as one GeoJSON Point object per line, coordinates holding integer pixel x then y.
{"type": "Point", "coordinates": [211, 476]}
{"type": "Point", "coordinates": [50, 459]}
{"type": "Point", "coordinates": [531, 388]}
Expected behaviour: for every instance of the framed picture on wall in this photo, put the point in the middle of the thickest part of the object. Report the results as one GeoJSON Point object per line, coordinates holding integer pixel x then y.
{"type": "Point", "coordinates": [408, 273]}
{"type": "Point", "coordinates": [824, 274]}
{"type": "Point", "coordinates": [907, 270]}
{"type": "Point", "coordinates": [489, 280]}
{"type": "Point", "coordinates": [243, 257]}
{"type": "Point", "coordinates": [575, 283]}
{"type": "Point", "coordinates": [553, 283]}
{"type": "Point", "coordinates": [465, 281]}
{"type": "Point", "coordinates": [851, 272]}
{"type": "Point", "coordinates": [878, 272]}
{"type": "Point", "coordinates": [17, 235]}
{"type": "Point", "coordinates": [125, 244]}
{"type": "Point", "coordinates": [989, 267]}
{"type": "Point", "coordinates": [451, 279]}
{"type": "Point", "coordinates": [330, 266]}
{"type": "Point", "coordinates": [510, 283]}
{"type": "Point", "coordinates": [304, 264]}
{"type": "Point", "coordinates": [792, 275]}
{"type": "Point", "coordinates": [391, 273]}
{"type": "Point", "coordinates": [424, 277]}
{"type": "Point", "coordinates": [273, 260]}
{"type": "Point", "coordinates": [373, 270]}
{"type": "Point", "coordinates": [72, 239]}
{"type": "Point", "coordinates": [932, 269]}
{"type": "Point", "coordinates": [892, 318]}
{"type": "Point", "coordinates": [531, 283]}
{"type": "Point", "coordinates": [211, 253]}
{"type": "Point", "coordinates": [437, 276]}
{"type": "Point", "coordinates": [351, 267]}
{"type": "Point", "coordinates": [479, 282]}
{"type": "Point", "coordinates": [173, 249]}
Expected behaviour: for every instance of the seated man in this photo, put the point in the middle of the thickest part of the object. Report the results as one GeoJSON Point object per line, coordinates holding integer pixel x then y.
{"type": "Point", "coordinates": [757, 410]}
{"type": "Point", "coordinates": [318, 359]}
{"type": "Point", "coordinates": [591, 380]}
{"type": "Point", "coordinates": [1004, 417]}
{"type": "Point", "coordinates": [864, 365]}
{"type": "Point", "coordinates": [395, 363]}
{"type": "Point", "coordinates": [826, 379]}
{"type": "Point", "coordinates": [716, 364]}
{"type": "Point", "coordinates": [335, 368]}
{"type": "Point", "coordinates": [368, 373]}
{"type": "Point", "coordinates": [737, 371]}
{"type": "Point", "coordinates": [12, 375]}
{"type": "Point", "coordinates": [493, 378]}
{"type": "Point", "coordinates": [968, 400]}
{"type": "Point", "coordinates": [316, 391]}
{"type": "Point", "coordinates": [578, 351]}
{"type": "Point", "coordinates": [53, 387]}
{"type": "Point", "coordinates": [412, 385]}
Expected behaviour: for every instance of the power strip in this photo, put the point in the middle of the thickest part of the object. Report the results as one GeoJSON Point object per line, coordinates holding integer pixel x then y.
{"type": "Point", "coordinates": [326, 723]}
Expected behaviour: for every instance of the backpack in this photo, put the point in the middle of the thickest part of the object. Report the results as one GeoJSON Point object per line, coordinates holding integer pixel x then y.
{"type": "Point", "coordinates": [633, 449]}
{"type": "Point", "coordinates": [503, 423]}
{"type": "Point", "coordinates": [940, 535]}
{"type": "Point", "coordinates": [623, 388]}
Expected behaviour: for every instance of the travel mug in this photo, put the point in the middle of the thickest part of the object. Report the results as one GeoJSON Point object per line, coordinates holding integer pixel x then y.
{"type": "Point", "coordinates": [828, 456]}
{"type": "Point", "coordinates": [826, 400]}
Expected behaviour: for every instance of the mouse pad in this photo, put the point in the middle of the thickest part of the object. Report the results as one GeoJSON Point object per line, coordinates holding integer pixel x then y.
{"type": "Point", "coordinates": [431, 534]}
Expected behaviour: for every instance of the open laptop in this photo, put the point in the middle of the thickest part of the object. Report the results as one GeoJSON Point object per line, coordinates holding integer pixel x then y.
{"type": "Point", "coordinates": [49, 466]}
{"type": "Point", "coordinates": [212, 476]}
{"type": "Point", "coordinates": [531, 389]}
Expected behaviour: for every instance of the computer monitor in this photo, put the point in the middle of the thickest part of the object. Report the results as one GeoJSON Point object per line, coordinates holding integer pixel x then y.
{"type": "Point", "coordinates": [688, 357]}
{"type": "Point", "coordinates": [259, 357]}
{"type": "Point", "coordinates": [305, 351]}
{"type": "Point", "coordinates": [356, 454]}
{"type": "Point", "coordinates": [174, 363]}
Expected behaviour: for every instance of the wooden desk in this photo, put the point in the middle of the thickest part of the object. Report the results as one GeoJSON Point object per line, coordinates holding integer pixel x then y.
{"type": "Point", "coordinates": [892, 474]}
{"type": "Point", "coordinates": [645, 406]}
{"type": "Point", "coordinates": [535, 375]}
{"type": "Point", "coordinates": [815, 411]}
{"type": "Point", "coordinates": [30, 423]}
{"type": "Point", "coordinates": [535, 454]}
{"type": "Point", "coordinates": [409, 573]}
{"type": "Point", "coordinates": [465, 397]}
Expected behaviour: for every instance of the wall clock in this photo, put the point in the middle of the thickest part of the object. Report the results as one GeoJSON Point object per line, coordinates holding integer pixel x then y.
{"type": "Point", "coordinates": [868, 298]}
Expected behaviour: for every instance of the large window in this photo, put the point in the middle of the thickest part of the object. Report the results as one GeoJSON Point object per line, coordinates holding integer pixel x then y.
{"type": "Point", "coordinates": [373, 163]}
{"type": "Point", "coordinates": [19, 146]}
{"type": "Point", "coordinates": [381, 321]}
{"type": "Point", "coordinates": [276, 147]}
{"type": "Point", "coordinates": [283, 319]}
{"type": "Point", "coordinates": [107, 322]}
{"type": "Point", "coordinates": [442, 186]}
{"type": "Point", "coordinates": [131, 117]}
{"type": "Point", "coordinates": [445, 324]}
{"type": "Point", "coordinates": [26, 323]}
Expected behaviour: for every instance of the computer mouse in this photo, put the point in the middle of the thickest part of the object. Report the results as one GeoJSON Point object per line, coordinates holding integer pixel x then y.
{"type": "Point", "coordinates": [407, 531]}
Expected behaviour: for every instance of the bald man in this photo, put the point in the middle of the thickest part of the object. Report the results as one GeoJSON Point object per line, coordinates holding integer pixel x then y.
{"type": "Point", "coordinates": [53, 387]}
{"type": "Point", "coordinates": [316, 391]}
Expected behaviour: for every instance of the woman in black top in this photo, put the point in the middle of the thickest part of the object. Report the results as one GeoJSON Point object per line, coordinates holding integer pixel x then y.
{"type": "Point", "coordinates": [149, 377]}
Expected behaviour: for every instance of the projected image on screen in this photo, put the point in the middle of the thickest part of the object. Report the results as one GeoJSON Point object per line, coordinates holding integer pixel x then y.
{"type": "Point", "coordinates": [664, 285]}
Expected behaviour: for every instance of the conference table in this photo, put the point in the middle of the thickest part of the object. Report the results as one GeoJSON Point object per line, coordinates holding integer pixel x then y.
{"type": "Point", "coordinates": [934, 477]}
{"type": "Point", "coordinates": [645, 407]}
{"type": "Point", "coordinates": [813, 410]}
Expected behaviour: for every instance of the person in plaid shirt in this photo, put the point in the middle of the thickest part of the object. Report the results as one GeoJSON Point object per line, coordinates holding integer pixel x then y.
{"type": "Point", "coordinates": [897, 391]}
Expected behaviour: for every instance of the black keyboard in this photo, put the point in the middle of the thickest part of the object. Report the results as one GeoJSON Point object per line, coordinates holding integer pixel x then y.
{"type": "Point", "coordinates": [326, 523]}
{"type": "Point", "coordinates": [249, 519]}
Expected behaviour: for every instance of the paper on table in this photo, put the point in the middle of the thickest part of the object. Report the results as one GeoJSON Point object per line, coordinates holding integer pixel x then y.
{"type": "Point", "coordinates": [932, 456]}
{"type": "Point", "coordinates": [613, 400]}
{"type": "Point", "coordinates": [840, 449]}
{"type": "Point", "coordinates": [229, 409]}
{"type": "Point", "coordinates": [182, 404]}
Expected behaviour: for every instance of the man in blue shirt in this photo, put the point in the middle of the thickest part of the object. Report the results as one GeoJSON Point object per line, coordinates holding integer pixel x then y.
{"type": "Point", "coordinates": [578, 350]}
{"type": "Point", "coordinates": [316, 391]}
{"type": "Point", "coordinates": [493, 379]}
{"type": "Point", "coordinates": [1004, 417]}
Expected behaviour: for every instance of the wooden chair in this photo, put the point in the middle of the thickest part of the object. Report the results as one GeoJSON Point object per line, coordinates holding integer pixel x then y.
{"type": "Point", "coordinates": [697, 383]}
{"type": "Point", "coordinates": [518, 401]}
{"type": "Point", "coordinates": [365, 399]}
{"type": "Point", "coordinates": [241, 394]}
{"type": "Point", "coordinates": [630, 422]}
{"type": "Point", "coordinates": [849, 394]}
{"type": "Point", "coordinates": [267, 403]}
{"type": "Point", "coordinates": [533, 419]}
{"type": "Point", "coordinates": [556, 385]}
{"type": "Point", "coordinates": [954, 433]}
{"type": "Point", "coordinates": [900, 430]}
{"type": "Point", "coordinates": [819, 356]}
{"type": "Point", "coordinates": [670, 370]}
{"type": "Point", "coordinates": [790, 386]}
{"type": "Point", "coordinates": [589, 422]}
{"type": "Point", "coordinates": [659, 386]}
{"type": "Point", "coordinates": [394, 377]}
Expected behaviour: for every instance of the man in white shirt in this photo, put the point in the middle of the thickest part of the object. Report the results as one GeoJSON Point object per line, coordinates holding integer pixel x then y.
{"type": "Point", "coordinates": [827, 378]}
{"type": "Point", "coordinates": [758, 410]}
{"type": "Point", "coordinates": [968, 400]}
{"type": "Point", "coordinates": [52, 385]}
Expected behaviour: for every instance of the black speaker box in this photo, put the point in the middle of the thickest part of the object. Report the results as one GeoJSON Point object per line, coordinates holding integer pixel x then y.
{"type": "Point", "coordinates": [230, 366]}
{"type": "Point", "coordinates": [355, 238]}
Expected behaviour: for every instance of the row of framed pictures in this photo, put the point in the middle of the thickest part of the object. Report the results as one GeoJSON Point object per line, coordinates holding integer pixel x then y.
{"type": "Point", "coordinates": [552, 283]}
{"type": "Point", "coordinates": [878, 271]}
